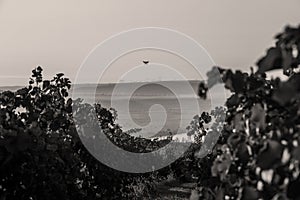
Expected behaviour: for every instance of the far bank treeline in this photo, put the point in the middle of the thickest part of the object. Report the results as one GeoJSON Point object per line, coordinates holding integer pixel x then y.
{"type": "Point", "coordinates": [256, 156]}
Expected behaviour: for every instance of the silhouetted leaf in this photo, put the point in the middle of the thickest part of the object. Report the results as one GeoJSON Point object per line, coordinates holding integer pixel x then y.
{"type": "Point", "coordinates": [270, 156]}
{"type": "Point", "coordinates": [46, 84]}
{"type": "Point", "coordinates": [272, 60]}
{"type": "Point", "coordinates": [258, 116]}
{"type": "Point", "coordinates": [250, 193]}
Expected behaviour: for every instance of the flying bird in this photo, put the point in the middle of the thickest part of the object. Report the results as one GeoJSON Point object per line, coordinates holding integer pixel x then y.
{"type": "Point", "coordinates": [145, 62]}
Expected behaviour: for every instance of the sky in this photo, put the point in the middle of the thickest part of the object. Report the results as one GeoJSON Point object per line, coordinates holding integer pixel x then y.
{"type": "Point", "coordinates": [58, 35]}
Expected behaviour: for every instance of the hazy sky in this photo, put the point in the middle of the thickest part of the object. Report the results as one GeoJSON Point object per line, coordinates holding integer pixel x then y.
{"type": "Point", "coordinates": [58, 34]}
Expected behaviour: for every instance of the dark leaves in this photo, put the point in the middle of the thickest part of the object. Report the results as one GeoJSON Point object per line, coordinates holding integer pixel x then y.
{"type": "Point", "coordinates": [272, 60]}
{"type": "Point", "coordinates": [64, 93]}
{"type": "Point", "coordinates": [235, 82]}
{"type": "Point", "coordinates": [284, 94]}
{"type": "Point", "coordinates": [293, 191]}
{"type": "Point", "coordinates": [250, 193]}
{"type": "Point", "coordinates": [233, 101]}
{"type": "Point", "coordinates": [296, 153]}
{"type": "Point", "coordinates": [55, 125]}
{"type": "Point", "coordinates": [31, 81]}
{"type": "Point", "coordinates": [285, 55]}
{"type": "Point", "coordinates": [234, 139]}
{"type": "Point", "coordinates": [52, 147]}
{"type": "Point", "coordinates": [59, 75]}
{"type": "Point", "coordinates": [258, 117]}
{"type": "Point", "coordinates": [261, 129]}
{"type": "Point", "coordinates": [214, 76]}
{"type": "Point", "coordinates": [221, 165]}
{"type": "Point", "coordinates": [22, 92]}
{"type": "Point", "coordinates": [37, 75]}
{"type": "Point", "coordinates": [46, 84]}
{"type": "Point", "coordinates": [206, 117]}
{"type": "Point", "coordinates": [243, 153]}
{"type": "Point", "coordinates": [202, 90]}
{"type": "Point", "coordinates": [270, 155]}
{"type": "Point", "coordinates": [287, 91]}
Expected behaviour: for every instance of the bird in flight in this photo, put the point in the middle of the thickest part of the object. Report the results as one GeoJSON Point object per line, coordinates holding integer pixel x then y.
{"type": "Point", "coordinates": [145, 62]}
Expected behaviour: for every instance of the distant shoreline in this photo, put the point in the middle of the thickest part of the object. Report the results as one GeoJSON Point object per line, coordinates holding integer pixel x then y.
{"type": "Point", "coordinates": [16, 87]}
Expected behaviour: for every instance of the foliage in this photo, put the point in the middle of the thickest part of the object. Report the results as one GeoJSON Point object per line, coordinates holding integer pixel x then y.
{"type": "Point", "coordinates": [285, 54]}
{"type": "Point", "coordinates": [257, 153]}
{"type": "Point", "coordinates": [41, 155]}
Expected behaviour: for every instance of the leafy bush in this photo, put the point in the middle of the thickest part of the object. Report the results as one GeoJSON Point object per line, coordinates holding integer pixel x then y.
{"type": "Point", "coordinates": [42, 156]}
{"type": "Point", "coordinates": [257, 153]}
